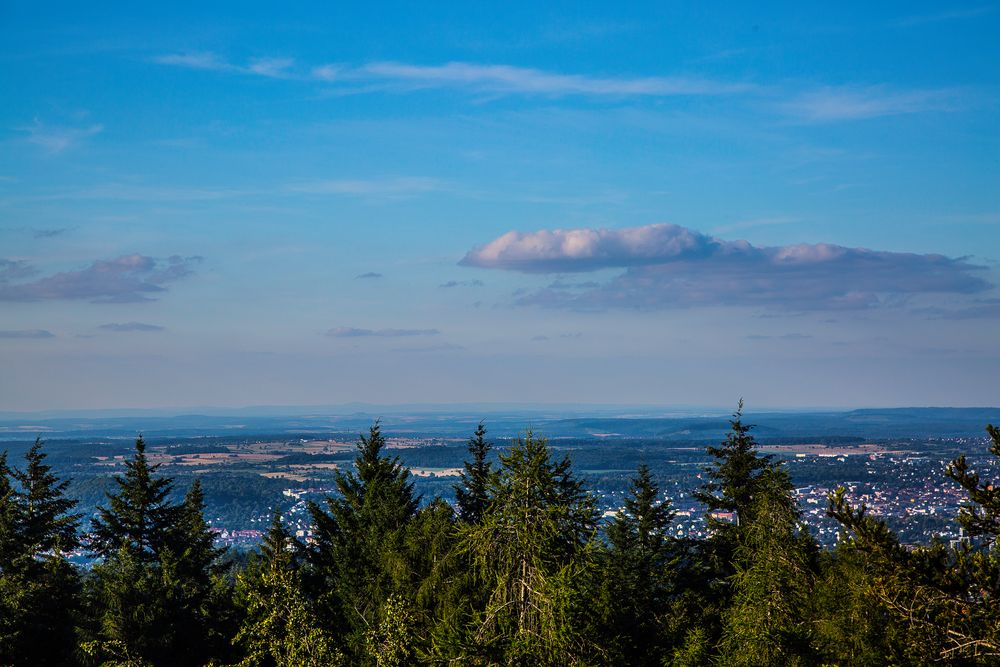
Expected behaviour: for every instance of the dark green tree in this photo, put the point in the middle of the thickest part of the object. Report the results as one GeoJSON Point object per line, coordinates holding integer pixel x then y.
{"type": "Point", "coordinates": [766, 622]}
{"type": "Point", "coordinates": [639, 575]}
{"type": "Point", "coordinates": [156, 597]}
{"type": "Point", "coordinates": [359, 555]}
{"type": "Point", "coordinates": [734, 475]}
{"type": "Point", "coordinates": [140, 516]}
{"type": "Point", "coordinates": [34, 515]}
{"type": "Point", "coordinates": [47, 527]}
{"type": "Point", "coordinates": [472, 491]}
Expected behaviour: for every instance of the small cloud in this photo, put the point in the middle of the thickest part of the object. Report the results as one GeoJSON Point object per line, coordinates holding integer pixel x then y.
{"type": "Point", "coordinates": [56, 139]}
{"type": "Point", "coordinates": [26, 333]}
{"type": "Point", "coordinates": [124, 279]}
{"type": "Point", "coordinates": [329, 72]}
{"type": "Point", "coordinates": [443, 347]}
{"type": "Point", "coordinates": [562, 284]}
{"type": "Point", "coordinates": [197, 60]}
{"type": "Point", "coordinates": [270, 67]}
{"type": "Point", "coordinates": [845, 103]}
{"type": "Point", "coordinates": [399, 186]}
{"type": "Point", "coordinates": [981, 309]}
{"type": "Point", "coordinates": [787, 336]}
{"type": "Point", "coordinates": [497, 79]}
{"type": "Point", "coordinates": [539, 338]}
{"type": "Point", "coordinates": [462, 283]}
{"type": "Point", "coordinates": [131, 326]}
{"type": "Point", "coordinates": [14, 269]}
{"type": "Point", "coordinates": [274, 68]}
{"type": "Point", "coordinates": [952, 15]}
{"type": "Point", "coordinates": [49, 233]}
{"type": "Point", "coordinates": [354, 332]}
{"type": "Point", "coordinates": [371, 275]}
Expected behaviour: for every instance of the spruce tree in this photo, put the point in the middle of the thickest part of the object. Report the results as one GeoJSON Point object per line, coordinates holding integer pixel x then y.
{"type": "Point", "coordinates": [140, 516]}
{"type": "Point", "coordinates": [734, 475]}
{"type": "Point", "coordinates": [472, 491]}
{"type": "Point", "coordinates": [38, 586]}
{"type": "Point", "coordinates": [359, 557]}
{"type": "Point", "coordinates": [47, 527]}
{"type": "Point", "coordinates": [639, 574]}
{"type": "Point", "coordinates": [765, 623]}
{"type": "Point", "coordinates": [152, 594]}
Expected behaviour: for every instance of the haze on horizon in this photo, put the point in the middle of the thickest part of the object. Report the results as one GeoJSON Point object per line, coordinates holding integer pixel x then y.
{"type": "Point", "coordinates": [652, 205]}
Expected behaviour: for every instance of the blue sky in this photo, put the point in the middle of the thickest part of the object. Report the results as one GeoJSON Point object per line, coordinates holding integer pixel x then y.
{"type": "Point", "coordinates": [666, 204]}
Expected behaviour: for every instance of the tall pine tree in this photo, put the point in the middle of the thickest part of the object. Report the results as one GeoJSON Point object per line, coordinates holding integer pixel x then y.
{"type": "Point", "coordinates": [359, 557]}
{"type": "Point", "coordinates": [472, 491]}
{"type": "Point", "coordinates": [639, 574]}
{"type": "Point", "coordinates": [139, 517]}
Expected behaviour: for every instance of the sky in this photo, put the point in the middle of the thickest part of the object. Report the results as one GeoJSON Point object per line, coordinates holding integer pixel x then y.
{"type": "Point", "coordinates": [672, 204]}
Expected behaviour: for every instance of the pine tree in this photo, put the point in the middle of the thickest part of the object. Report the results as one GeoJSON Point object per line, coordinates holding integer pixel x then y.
{"type": "Point", "coordinates": [10, 541]}
{"type": "Point", "coordinates": [46, 524]}
{"type": "Point", "coordinates": [359, 556]}
{"type": "Point", "coordinates": [35, 532]}
{"type": "Point", "coordinates": [198, 595]}
{"type": "Point", "coordinates": [765, 623]}
{"type": "Point", "coordinates": [734, 476]}
{"type": "Point", "coordinates": [939, 600]}
{"type": "Point", "coordinates": [140, 516]}
{"type": "Point", "coordinates": [472, 491]}
{"type": "Point", "coordinates": [980, 517]}
{"type": "Point", "coordinates": [533, 554]}
{"type": "Point", "coordinates": [153, 596]}
{"type": "Point", "coordinates": [639, 573]}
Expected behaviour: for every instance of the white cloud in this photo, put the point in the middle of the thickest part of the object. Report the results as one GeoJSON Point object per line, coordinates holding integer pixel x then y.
{"type": "Point", "coordinates": [56, 139]}
{"type": "Point", "coordinates": [510, 79]}
{"type": "Point", "coordinates": [669, 266]}
{"type": "Point", "coordinates": [843, 103]}
{"type": "Point", "coordinates": [557, 250]}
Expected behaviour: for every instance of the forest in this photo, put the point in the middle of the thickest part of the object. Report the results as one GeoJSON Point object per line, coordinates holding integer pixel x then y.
{"type": "Point", "coordinates": [521, 570]}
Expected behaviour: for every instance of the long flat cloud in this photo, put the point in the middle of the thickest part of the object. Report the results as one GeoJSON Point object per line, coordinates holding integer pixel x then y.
{"type": "Point", "coordinates": [492, 78]}
{"type": "Point", "coordinates": [354, 332]}
{"type": "Point", "coordinates": [123, 279]}
{"type": "Point", "coordinates": [811, 104]}
{"type": "Point", "coordinates": [26, 333]}
{"type": "Point", "coordinates": [669, 266]}
{"type": "Point", "coordinates": [130, 326]}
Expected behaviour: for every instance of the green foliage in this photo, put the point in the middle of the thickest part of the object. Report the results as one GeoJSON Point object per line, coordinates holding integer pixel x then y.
{"type": "Point", "coordinates": [280, 628]}
{"type": "Point", "coordinates": [532, 553]}
{"type": "Point", "coordinates": [472, 491]}
{"type": "Point", "coordinates": [640, 568]}
{"type": "Point", "coordinates": [765, 623]}
{"type": "Point", "coordinates": [516, 577]}
{"type": "Point", "coordinates": [156, 597]}
{"type": "Point", "coordinates": [139, 516]}
{"type": "Point", "coordinates": [39, 589]}
{"type": "Point", "coordinates": [359, 557]}
{"type": "Point", "coordinates": [939, 601]}
{"type": "Point", "coordinates": [735, 475]}
{"type": "Point", "coordinates": [390, 643]}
